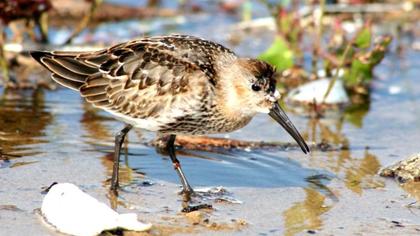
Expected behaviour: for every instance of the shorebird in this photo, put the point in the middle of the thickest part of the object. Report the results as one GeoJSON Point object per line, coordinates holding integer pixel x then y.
{"type": "Point", "coordinates": [173, 85]}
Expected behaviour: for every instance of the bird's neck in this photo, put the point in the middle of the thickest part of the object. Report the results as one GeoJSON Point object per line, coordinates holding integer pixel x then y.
{"type": "Point", "coordinates": [230, 95]}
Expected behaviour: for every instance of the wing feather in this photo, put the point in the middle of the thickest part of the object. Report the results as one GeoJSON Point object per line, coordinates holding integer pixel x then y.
{"type": "Point", "coordinates": [75, 66]}
{"type": "Point", "coordinates": [66, 82]}
{"type": "Point", "coordinates": [64, 72]}
{"type": "Point", "coordinates": [139, 78]}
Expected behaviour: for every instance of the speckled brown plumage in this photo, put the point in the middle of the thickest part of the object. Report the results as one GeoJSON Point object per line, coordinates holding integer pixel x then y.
{"type": "Point", "coordinates": [145, 78]}
{"type": "Point", "coordinates": [173, 85]}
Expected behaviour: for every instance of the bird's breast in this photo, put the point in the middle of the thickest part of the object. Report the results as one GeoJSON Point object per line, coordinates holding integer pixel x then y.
{"type": "Point", "coordinates": [204, 123]}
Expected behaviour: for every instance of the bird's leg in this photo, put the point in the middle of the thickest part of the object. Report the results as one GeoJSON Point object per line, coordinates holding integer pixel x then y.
{"type": "Point", "coordinates": [119, 139]}
{"type": "Point", "coordinates": [166, 145]}
{"type": "Point", "coordinates": [170, 148]}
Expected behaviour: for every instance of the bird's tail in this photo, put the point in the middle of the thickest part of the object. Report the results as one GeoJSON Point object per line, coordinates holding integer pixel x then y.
{"type": "Point", "coordinates": [66, 68]}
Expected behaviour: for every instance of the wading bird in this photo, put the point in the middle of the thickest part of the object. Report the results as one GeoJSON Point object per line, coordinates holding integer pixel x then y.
{"type": "Point", "coordinates": [173, 85]}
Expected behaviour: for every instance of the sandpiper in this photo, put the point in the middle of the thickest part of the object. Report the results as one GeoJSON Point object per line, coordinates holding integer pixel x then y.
{"type": "Point", "coordinates": [173, 85]}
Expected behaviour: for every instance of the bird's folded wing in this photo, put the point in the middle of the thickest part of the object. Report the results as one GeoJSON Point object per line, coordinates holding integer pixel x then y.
{"type": "Point", "coordinates": [138, 78]}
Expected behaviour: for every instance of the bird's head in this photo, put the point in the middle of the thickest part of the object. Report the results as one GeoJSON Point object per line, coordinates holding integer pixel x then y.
{"type": "Point", "coordinates": [252, 89]}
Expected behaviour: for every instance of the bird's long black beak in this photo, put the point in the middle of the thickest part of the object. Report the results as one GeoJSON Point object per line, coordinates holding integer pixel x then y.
{"type": "Point", "coordinates": [280, 116]}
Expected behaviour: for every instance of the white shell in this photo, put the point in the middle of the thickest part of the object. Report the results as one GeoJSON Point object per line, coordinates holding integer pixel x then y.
{"type": "Point", "coordinates": [315, 90]}
{"type": "Point", "coordinates": [74, 212]}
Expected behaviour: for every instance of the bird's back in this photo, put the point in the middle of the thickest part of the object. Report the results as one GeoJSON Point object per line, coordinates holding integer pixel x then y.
{"type": "Point", "coordinates": [159, 83]}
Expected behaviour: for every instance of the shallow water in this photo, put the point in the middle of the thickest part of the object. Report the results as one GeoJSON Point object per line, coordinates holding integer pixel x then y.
{"type": "Point", "coordinates": [60, 122]}
{"type": "Point", "coordinates": [51, 136]}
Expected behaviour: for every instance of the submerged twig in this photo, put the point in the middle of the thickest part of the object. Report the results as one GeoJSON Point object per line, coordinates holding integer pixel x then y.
{"type": "Point", "coordinates": [212, 144]}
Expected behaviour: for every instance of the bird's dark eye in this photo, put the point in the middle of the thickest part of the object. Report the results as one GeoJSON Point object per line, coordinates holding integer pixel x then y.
{"type": "Point", "coordinates": [256, 87]}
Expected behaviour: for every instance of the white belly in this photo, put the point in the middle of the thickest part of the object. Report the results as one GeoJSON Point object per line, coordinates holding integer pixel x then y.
{"type": "Point", "coordinates": [148, 124]}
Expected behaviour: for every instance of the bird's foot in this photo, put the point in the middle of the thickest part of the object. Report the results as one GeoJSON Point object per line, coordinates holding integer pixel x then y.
{"type": "Point", "coordinates": [215, 194]}
{"type": "Point", "coordinates": [193, 201]}
{"type": "Point", "coordinates": [113, 192]}
{"type": "Point", "coordinates": [114, 186]}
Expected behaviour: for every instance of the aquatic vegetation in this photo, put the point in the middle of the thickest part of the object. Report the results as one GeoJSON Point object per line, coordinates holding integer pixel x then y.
{"type": "Point", "coordinates": [279, 55]}
{"type": "Point", "coordinates": [357, 56]}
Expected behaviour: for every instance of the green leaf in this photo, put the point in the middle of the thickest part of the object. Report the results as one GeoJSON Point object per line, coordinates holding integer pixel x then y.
{"type": "Point", "coordinates": [379, 50]}
{"type": "Point", "coordinates": [278, 55]}
{"type": "Point", "coordinates": [362, 65]}
{"type": "Point", "coordinates": [363, 37]}
{"type": "Point", "coordinates": [359, 72]}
